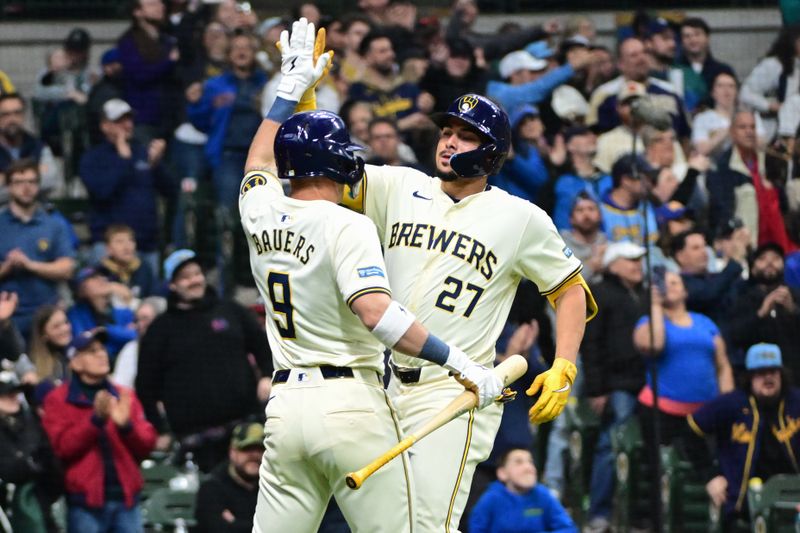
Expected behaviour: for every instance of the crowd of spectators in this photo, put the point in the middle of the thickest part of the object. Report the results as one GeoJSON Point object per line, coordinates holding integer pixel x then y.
{"type": "Point", "coordinates": [117, 343]}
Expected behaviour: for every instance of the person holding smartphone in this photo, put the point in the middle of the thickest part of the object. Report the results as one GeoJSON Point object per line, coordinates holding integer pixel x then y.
{"type": "Point", "coordinates": [692, 362]}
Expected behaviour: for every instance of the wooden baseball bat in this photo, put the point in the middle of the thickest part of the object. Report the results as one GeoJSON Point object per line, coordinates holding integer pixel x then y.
{"type": "Point", "coordinates": [508, 371]}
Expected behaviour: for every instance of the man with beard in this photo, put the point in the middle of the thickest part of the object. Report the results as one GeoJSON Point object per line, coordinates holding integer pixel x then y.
{"type": "Point", "coordinates": [16, 143]}
{"type": "Point", "coordinates": [585, 237]}
{"type": "Point", "coordinates": [227, 498]}
{"type": "Point", "coordinates": [661, 45]}
{"type": "Point", "coordinates": [383, 87]}
{"type": "Point", "coordinates": [35, 246]}
{"type": "Point", "coordinates": [766, 309]}
{"type": "Point", "coordinates": [206, 359]}
{"type": "Point", "coordinates": [757, 432]}
{"type": "Point", "coordinates": [148, 58]}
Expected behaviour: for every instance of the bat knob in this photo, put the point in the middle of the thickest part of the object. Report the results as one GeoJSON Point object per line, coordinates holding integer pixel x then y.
{"type": "Point", "coordinates": [353, 481]}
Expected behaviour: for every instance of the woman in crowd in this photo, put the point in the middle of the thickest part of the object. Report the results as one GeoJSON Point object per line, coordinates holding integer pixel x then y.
{"type": "Point", "coordinates": [46, 364]}
{"type": "Point", "coordinates": [689, 355]}
{"type": "Point", "coordinates": [710, 129]}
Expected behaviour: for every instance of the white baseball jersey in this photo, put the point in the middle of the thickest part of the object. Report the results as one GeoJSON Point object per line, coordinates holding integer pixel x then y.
{"type": "Point", "coordinates": [456, 265]}
{"type": "Point", "coordinates": [310, 260]}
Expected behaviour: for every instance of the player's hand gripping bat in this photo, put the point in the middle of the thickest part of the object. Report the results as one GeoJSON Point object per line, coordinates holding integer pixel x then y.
{"type": "Point", "coordinates": [508, 371]}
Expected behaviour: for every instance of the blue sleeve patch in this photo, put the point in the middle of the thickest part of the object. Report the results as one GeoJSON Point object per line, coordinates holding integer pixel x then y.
{"type": "Point", "coordinates": [567, 251]}
{"type": "Point", "coordinates": [368, 272]}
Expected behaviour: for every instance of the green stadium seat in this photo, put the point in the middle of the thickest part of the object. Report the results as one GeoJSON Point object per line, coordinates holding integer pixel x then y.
{"type": "Point", "coordinates": [156, 476]}
{"type": "Point", "coordinates": [168, 508]}
{"type": "Point", "coordinates": [582, 428]}
{"type": "Point", "coordinates": [773, 505]}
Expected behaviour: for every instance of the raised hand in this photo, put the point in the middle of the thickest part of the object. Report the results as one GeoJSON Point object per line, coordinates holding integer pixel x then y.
{"type": "Point", "coordinates": [120, 410]}
{"type": "Point", "coordinates": [299, 71]}
{"type": "Point", "coordinates": [8, 304]}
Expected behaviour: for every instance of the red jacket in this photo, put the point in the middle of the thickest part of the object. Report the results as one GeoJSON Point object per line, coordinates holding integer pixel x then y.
{"type": "Point", "coordinates": [74, 436]}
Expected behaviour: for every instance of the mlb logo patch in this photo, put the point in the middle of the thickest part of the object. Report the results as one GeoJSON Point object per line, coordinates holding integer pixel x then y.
{"type": "Point", "coordinates": [368, 272]}
{"type": "Point", "coordinates": [567, 251]}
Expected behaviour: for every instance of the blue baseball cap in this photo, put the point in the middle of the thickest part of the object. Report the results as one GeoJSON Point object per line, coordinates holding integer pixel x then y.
{"type": "Point", "coordinates": [657, 25]}
{"type": "Point", "coordinates": [111, 55]}
{"type": "Point", "coordinates": [523, 111]}
{"type": "Point", "coordinates": [540, 50]}
{"type": "Point", "coordinates": [672, 210]}
{"type": "Point", "coordinates": [763, 355]}
{"type": "Point", "coordinates": [176, 260]}
{"type": "Point", "coordinates": [84, 339]}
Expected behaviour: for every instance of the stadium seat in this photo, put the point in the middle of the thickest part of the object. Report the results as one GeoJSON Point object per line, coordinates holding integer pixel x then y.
{"type": "Point", "coordinates": [582, 427]}
{"type": "Point", "coordinates": [632, 491]}
{"type": "Point", "coordinates": [773, 505]}
{"type": "Point", "coordinates": [156, 476]}
{"type": "Point", "coordinates": [169, 509]}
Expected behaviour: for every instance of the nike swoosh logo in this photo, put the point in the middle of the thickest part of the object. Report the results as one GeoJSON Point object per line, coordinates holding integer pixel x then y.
{"type": "Point", "coordinates": [565, 388]}
{"type": "Point", "coordinates": [416, 194]}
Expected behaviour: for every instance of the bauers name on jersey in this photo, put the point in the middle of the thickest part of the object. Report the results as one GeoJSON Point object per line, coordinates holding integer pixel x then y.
{"type": "Point", "coordinates": [280, 240]}
{"type": "Point", "coordinates": [444, 241]}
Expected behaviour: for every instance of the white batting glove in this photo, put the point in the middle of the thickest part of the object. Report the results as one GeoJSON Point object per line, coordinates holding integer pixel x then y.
{"type": "Point", "coordinates": [298, 70]}
{"type": "Point", "coordinates": [477, 378]}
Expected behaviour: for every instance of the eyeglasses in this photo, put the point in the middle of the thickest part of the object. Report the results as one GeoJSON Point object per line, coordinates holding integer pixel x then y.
{"type": "Point", "coordinates": [12, 112]}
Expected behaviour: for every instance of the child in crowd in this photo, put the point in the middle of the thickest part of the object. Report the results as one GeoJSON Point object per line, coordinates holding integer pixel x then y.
{"type": "Point", "coordinates": [515, 502]}
{"type": "Point", "coordinates": [131, 278]}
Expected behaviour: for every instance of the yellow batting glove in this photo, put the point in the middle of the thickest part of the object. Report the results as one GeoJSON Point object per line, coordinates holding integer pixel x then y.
{"type": "Point", "coordinates": [555, 385]}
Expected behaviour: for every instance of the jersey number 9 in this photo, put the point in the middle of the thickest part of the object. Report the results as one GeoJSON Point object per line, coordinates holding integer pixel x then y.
{"type": "Point", "coordinates": [282, 303]}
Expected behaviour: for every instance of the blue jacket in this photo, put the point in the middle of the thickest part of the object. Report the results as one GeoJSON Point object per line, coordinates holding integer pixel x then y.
{"type": "Point", "coordinates": [123, 191]}
{"type": "Point", "coordinates": [523, 175]}
{"type": "Point", "coordinates": [735, 421]}
{"type": "Point", "coordinates": [501, 511]}
{"type": "Point", "coordinates": [512, 96]}
{"type": "Point", "coordinates": [214, 120]}
{"type": "Point", "coordinates": [120, 327]}
{"type": "Point", "coordinates": [568, 186]}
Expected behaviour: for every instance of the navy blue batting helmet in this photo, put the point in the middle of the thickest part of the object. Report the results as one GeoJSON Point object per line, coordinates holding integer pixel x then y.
{"type": "Point", "coordinates": [490, 122]}
{"type": "Point", "coordinates": [316, 144]}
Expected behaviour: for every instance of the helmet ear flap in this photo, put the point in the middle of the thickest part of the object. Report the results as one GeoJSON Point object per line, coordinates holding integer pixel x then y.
{"type": "Point", "coordinates": [485, 160]}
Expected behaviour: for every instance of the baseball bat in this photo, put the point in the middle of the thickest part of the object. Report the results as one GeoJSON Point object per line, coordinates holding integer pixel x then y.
{"type": "Point", "coordinates": [508, 371]}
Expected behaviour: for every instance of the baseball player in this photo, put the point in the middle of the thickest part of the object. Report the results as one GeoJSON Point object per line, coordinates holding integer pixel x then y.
{"type": "Point", "coordinates": [320, 269]}
{"type": "Point", "coordinates": [455, 249]}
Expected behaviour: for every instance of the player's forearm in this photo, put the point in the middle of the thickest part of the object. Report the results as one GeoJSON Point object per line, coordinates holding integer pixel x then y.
{"type": "Point", "coordinates": [570, 322]}
{"type": "Point", "coordinates": [261, 155]}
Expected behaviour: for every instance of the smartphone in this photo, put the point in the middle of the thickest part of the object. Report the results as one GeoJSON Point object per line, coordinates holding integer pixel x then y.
{"type": "Point", "coordinates": [659, 278]}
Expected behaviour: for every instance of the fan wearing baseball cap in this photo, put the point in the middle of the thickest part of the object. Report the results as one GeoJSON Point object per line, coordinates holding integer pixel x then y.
{"type": "Point", "coordinates": [527, 79]}
{"type": "Point", "coordinates": [28, 460]}
{"type": "Point", "coordinates": [99, 432]}
{"type": "Point", "coordinates": [227, 499]}
{"type": "Point", "coordinates": [757, 430]}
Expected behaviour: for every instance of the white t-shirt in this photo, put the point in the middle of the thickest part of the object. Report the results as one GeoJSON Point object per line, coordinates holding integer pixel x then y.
{"type": "Point", "coordinates": [710, 120]}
